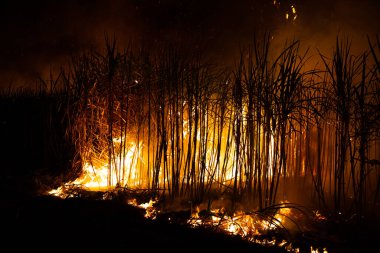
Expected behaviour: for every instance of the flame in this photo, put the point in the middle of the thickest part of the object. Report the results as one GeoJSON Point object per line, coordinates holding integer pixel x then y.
{"type": "Point", "coordinates": [59, 192]}
{"type": "Point", "coordinates": [246, 225]}
{"type": "Point", "coordinates": [132, 165]}
{"type": "Point", "coordinates": [249, 225]}
{"type": "Point", "coordinates": [312, 250]}
{"type": "Point", "coordinates": [97, 177]}
{"type": "Point", "coordinates": [124, 166]}
{"type": "Point", "coordinates": [150, 211]}
{"type": "Point", "coordinates": [241, 223]}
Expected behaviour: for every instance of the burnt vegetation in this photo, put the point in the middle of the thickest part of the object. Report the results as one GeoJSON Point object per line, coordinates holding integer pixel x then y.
{"type": "Point", "coordinates": [264, 131]}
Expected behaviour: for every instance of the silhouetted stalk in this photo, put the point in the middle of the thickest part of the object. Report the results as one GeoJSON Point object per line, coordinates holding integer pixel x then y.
{"type": "Point", "coordinates": [352, 86]}
{"type": "Point", "coordinates": [374, 113]}
{"type": "Point", "coordinates": [238, 111]}
{"type": "Point", "coordinates": [251, 80]}
{"type": "Point", "coordinates": [189, 132]}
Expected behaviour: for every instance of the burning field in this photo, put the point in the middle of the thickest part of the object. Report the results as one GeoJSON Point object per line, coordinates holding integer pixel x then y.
{"type": "Point", "coordinates": [158, 148]}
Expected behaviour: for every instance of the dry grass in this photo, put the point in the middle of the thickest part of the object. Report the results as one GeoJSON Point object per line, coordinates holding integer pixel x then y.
{"type": "Point", "coordinates": [256, 134]}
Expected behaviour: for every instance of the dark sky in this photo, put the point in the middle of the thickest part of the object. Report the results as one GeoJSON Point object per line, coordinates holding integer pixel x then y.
{"type": "Point", "coordinates": [39, 35]}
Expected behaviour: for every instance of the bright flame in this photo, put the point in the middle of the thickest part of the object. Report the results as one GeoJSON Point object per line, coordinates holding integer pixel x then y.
{"type": "Point", "coordinates": [98, 177]}
{"type": "Point", "coordinates": [248, 225]}
{"type": "Point", "coordinates": [312, 250]}
{"type": "Point", "coordinates": [150, 211]}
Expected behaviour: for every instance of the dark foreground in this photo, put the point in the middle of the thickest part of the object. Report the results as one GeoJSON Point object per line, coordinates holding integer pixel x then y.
{"type": "Point", "coordinates": [51, 224]}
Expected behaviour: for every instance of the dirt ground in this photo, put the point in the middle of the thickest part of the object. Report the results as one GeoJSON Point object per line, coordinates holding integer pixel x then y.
{"type": "Point", "coordinates": [47, 223]}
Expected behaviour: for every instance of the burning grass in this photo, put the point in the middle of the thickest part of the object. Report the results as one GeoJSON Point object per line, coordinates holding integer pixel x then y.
{"type": "Point", "coordinates": [177, 126]}
{"type": "Point", "coordinates": [268, 130]}
{"type": "Point", "coordinates": [181, 129]}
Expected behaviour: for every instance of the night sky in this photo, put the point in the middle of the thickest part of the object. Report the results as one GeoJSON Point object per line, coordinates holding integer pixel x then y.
{"type": "Point", "coordinates": [39, 35]}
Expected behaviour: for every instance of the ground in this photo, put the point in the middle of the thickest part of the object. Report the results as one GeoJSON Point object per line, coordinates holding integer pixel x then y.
{"type": "Point", "coordinates": [48, 223]}
{"type": "Point", "coordinates": [41, 222]}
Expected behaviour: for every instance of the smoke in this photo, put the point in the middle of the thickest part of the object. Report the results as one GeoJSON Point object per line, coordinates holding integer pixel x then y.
{"type": "Point", "coordinates": [38, 36]}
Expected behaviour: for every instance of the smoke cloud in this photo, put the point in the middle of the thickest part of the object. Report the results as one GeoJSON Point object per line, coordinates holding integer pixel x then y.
{"type": "Point", "coordinates": [41, 35]}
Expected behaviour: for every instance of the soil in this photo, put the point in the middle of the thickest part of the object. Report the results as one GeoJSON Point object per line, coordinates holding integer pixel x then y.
{"type": "Point", "coordinates": [53, 224]}
{"type": "Point", "coordinates": [47, 223]}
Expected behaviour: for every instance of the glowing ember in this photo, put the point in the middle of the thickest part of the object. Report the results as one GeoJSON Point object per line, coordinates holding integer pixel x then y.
{"type": "Point", "coordinates": [290, 11]}
{"type": "Point", "coordinates": [319, 216]}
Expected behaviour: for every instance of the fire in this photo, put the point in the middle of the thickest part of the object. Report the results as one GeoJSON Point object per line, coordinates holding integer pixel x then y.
{"type": "Point", "coordinates": [312, 250]}
{"type": "Point", "coordinates": [241, 223]}
{"type": "Point", "coordinates": [248, 225]}
{"type": "Point", "coordinates": [252, 226]}
{"type": "Point", "coordinates": [97, 177]}
{"type": "Point", "coordinates": [150, 211]}
{"type": "Point", "coordinates": [190, 148]}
